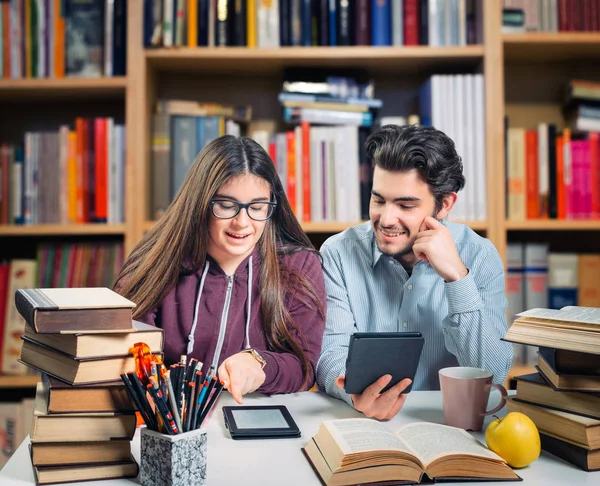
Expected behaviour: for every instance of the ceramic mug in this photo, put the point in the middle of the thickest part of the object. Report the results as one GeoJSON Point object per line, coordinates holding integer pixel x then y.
{"type": "Point", "coordinates": [465, 394]}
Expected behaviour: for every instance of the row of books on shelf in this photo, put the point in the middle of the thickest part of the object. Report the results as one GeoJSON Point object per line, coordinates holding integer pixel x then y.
{"type": "Point", "coordinates": [455, 105]}
{"type": "Point", "coordinates": [521, 16]}
{"type": "Point", "coordinates": [65, 176]}
{"type": "Point", "coordinates": [255, 23]}
{"type": "Point", "coordinates": [58, 38]}
{"type": "Point", "coordinates": [320, 159]}
{"type": "Point", "coordinates": [562, 396]}
{"type": "Point", "coordinates": [57, 265]}
{"type": "Point", "coordinates": [552, 174]}
{"type": "Point", "coordinates": [83, 418]}
{"type": "Point", "coordinates": [539, 278]}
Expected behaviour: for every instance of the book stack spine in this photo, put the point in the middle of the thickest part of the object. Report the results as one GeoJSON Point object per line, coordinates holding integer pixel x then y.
{"type": "Point", "coordinates": [82, 424]}
{"type": "Point", "coordinates": [563, 400]}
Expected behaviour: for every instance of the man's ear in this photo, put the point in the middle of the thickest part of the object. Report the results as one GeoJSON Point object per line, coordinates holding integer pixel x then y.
{"type": "Point", "coordinates": [447, 204]}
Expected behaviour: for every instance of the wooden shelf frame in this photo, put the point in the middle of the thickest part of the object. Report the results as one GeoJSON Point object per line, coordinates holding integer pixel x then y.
{"type": "Point", "coordinates": [269, 61]}
{"type": "Point", "coordinates": [551, 46]}
{"type": "Point", "coordinates": [19, 381]}
{"type": "Point", "coordinates": [63, 229]}
{"type": "Point", "coordinates": [62, 88]}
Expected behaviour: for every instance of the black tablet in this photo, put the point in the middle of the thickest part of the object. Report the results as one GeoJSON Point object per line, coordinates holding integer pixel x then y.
{"type": "Point", "coordinates": [374, 354]}
{"type": "Point", "coordinates": [260, 422]}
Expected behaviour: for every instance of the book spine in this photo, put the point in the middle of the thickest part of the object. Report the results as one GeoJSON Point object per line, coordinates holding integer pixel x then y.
{"type": "Point", "coordinates": [27, 301]}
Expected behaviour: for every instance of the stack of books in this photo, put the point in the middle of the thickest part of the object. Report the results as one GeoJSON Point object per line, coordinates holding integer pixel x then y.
{"type": "Point", "coordinates": [83, 418]}
{"type": "Point", "coordinates": [563, 396]}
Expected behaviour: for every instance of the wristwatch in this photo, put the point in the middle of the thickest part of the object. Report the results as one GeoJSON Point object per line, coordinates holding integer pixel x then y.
{"type": "Point", "coordinates": [257, 356]}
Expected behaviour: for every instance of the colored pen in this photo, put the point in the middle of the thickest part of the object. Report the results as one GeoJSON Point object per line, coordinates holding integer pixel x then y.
{"type": "Point", "coordinates": [211, 403]}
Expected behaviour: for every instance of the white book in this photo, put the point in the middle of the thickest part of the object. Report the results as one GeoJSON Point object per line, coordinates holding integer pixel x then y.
{"type": "Point", "coordinates": [281, 151]}
{"type": "Point", "coordinates": [316, 174]}
{"type": "Point", "coordinates": [330, 185]}
{"type": "Point", "coordinates": [480, 148]}
{"type": "Point", "coordinates": [397, 22]}
{"type": "Point", "coordinates": [16, 38]}
{"type": "Point", "coordinates": [469, 159]}
{"type": "Point", "coordinates": [267, 23]}
{"type": "Point", "coordinates": [543, 166]}
{"type": "Point", "coordinates": [108, 37]}
{"type": "Point", "coordinates": [168, 23]}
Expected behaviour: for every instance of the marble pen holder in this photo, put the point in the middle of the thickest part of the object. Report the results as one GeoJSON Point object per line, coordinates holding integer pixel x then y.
{"type": "Point", "coordinates": [173, 460]}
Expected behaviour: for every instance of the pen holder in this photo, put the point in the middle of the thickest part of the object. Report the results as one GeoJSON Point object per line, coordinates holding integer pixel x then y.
{"type": "Point", "coordinates": [173, 460]}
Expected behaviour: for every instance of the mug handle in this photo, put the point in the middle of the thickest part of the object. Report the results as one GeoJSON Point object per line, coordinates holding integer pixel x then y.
{"type": "Point", "coordinates": [504, 394]}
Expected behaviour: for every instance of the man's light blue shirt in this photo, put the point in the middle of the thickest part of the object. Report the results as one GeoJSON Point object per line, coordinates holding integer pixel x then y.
{"type": "Point", "coordinates": [462, 322]}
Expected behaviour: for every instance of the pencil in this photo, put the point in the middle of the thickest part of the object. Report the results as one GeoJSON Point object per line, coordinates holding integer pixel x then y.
{"type": "Point", "coordinates": [135, 381]}
{"type": "Point", "coordinates": [136, 399]}
{"type": "Point", "coordinates": [172, 401]}
{"type": "Point", "coordinates": [211, 403]}
{"type": "Point", "coordinates": [209, 389]}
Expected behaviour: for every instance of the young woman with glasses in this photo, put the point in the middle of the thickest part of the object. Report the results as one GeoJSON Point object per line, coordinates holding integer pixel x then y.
{"type": "Point", "coordinates": [229, 275]}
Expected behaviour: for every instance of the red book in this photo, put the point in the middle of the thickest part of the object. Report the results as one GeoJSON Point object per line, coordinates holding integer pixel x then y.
{"type": "Point", "coordinates": [411, 22]}
{"type": "Point", "coordinates": [101, 169]}
{"type": "Point", "coordinates": [531, 174]}
{"type": "Point", "coordinates": [305, 171]}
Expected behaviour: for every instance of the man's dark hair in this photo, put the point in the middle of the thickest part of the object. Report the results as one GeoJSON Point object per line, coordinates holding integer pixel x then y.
{"type": "Point", "coordinates": [431, 152]}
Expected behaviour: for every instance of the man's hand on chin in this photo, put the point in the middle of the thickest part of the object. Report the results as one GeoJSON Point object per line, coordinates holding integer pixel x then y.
{"type": "Point", "coordinates": [373, 403]}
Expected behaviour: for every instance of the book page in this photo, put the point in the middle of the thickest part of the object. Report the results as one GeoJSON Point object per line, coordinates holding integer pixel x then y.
{"type": "Point", "coordinates": [587, 315]}
{"type": "Point", "coordinates": [431, 441]}
{"type": "Point", "coordinates": [362, 434]}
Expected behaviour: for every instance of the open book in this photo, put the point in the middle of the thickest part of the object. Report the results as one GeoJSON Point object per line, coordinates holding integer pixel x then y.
{"type": "Point", "coordinates": [354, 451]}
{"type": "Point", "coordinates": [571, 328]}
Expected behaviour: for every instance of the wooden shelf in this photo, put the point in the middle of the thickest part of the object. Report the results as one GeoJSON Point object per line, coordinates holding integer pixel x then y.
{"type": "Point", "coordinates": [552, 46]}
{"type": "Point", "coordinates": [62, 88]}
{"type": "Point", "coordinates": [269, 61]}
{"type": "Point", "coordinates": [553, 225]}
{"type": "Point", "coordinates": [62, 229]}
{"type": "Point", "coordinates": [24, 381]}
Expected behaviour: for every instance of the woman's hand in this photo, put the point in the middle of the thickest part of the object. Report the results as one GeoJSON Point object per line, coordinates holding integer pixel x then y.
{"type": "Point", "coordinates": [241, 374]}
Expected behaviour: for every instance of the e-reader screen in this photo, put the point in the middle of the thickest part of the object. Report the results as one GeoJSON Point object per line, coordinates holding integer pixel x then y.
{"type": "Point", "coordinates": [259, 422]}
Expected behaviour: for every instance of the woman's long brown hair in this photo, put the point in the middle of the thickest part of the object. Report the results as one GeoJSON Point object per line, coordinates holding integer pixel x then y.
{"type": "Point", "coordinates": [181, 234]}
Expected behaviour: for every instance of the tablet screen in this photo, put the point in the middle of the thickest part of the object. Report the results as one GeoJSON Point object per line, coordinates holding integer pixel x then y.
{"type": "Point", "coordinates": [259, 419]}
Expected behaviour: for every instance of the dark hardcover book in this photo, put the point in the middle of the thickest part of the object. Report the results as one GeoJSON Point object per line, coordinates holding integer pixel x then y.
{"type": "Point", "coordinates": [344, 24]}
{"type": "Point", "coordinates": [322, 7]}
{"type": "Point", "coordinates": [571, 362]}
{"type": "Point", "coordinates": [559, 381]}
{"type": "Point", "coordinates": [148, 22]}
{"type": "Point", "coordinates": [305, 23]}
{"type": "Point", "coordinates": [578, 456]}
{"type": "Point", "coordinates": [222, 22]}
{"type": "Point", "coordinates": [333, 22]}
{"type": "Point", "coordinates": [381, 29]}
{"type": "Point", "coordinates": [534, 389]}
{"type": "Point", "coordinates": [71, 310]}
{"type": "Point", "coordinates": [238, 22]}
{"type": "Point", "coordinates": [203, 9]}
{"type": "Point", "coordinates": [285, 34]}
{"type": "Point", "coordinates": [362, 23]}
{"type": "Point", "coordinates": [424, 22]}
{"type": "Point", "coordinates": [120, 38]}
{"type": "Point", "coordinates": [552, 208]}
{"type": "Point", "coordinates": [84, 38]}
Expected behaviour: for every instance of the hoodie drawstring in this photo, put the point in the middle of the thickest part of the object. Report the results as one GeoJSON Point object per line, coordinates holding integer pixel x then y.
{"type": "Point", "coordinates": [191, 340]}
{"type": "Point", "coordinates": [190, 346]}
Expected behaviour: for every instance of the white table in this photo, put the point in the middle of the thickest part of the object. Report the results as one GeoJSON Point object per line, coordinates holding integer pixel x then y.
{"type": "Point", "coordinates": [281, 462]}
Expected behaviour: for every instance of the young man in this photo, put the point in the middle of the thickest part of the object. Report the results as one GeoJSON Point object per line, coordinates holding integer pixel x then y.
{"type": "Point", "coordinates": [408, 270]}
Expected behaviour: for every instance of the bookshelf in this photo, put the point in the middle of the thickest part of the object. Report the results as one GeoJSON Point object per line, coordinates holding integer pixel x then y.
{"type": "Point", "coordinates": [523, 76]}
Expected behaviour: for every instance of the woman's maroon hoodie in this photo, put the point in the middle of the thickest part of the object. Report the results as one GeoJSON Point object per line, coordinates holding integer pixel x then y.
{"type": "Point", "coordinates": [222, 319]}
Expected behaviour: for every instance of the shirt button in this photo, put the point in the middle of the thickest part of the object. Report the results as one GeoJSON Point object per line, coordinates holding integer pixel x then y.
{"type": "Point", "coordinates": [404, 324]}
{"type": "Point", "coordinates": [391, 261]}
{"type": "Point", "coordinates": [409, 286]}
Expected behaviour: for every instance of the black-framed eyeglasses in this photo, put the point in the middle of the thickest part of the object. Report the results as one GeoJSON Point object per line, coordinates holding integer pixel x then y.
{"type": "Point", "coordinates": [227, 209]}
